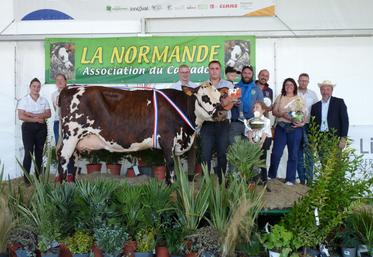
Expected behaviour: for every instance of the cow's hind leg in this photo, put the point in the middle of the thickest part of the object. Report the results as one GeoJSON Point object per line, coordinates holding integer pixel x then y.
{"type": "Point", "coordinates": [72, 167]}
{"type": "Point", "coordinates": [64, 154]}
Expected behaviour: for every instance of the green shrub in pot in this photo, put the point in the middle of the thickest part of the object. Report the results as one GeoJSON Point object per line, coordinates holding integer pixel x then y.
{"type": "Point", "coordinates": [110, 239]}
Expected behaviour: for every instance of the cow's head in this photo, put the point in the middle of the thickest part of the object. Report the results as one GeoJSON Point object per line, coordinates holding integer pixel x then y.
{"type": "Point", "coordinates": [63, 55]}
{"type": "Point", "coordinates": [208, 106]}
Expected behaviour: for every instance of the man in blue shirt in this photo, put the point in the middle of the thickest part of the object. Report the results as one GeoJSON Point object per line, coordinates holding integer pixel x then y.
{"type": "Point", "coordinates": [250, 94]}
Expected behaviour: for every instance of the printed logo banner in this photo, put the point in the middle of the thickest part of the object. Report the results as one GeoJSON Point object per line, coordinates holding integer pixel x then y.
{"type": "Point", "coordinates": [134, 60]}
{"type": "Point", "coordinates": [134, 10]}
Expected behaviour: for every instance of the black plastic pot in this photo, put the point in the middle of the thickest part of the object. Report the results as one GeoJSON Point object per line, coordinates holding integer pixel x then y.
{"type": "Point", "coordinates": [143, 254]}
{"type": "Point", "coordinates": [349, 252]}
{"type": "Point", "coordinates": [81, 255]}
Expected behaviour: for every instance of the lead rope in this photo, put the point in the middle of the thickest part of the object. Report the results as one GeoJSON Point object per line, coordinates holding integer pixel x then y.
{"type": "Point", "coordinates": [155, 128]}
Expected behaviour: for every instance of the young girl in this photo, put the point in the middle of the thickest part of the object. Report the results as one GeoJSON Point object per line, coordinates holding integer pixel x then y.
{"type": "Point", "coordinates": [262, 136]}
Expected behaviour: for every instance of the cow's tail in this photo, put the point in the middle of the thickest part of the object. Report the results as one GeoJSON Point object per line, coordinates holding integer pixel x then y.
{"type": "Point", "coordinates": [59, 143]}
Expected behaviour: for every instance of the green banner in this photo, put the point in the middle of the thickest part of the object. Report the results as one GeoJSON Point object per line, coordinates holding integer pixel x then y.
{"type": "Point", "coordinates": [143, 59]}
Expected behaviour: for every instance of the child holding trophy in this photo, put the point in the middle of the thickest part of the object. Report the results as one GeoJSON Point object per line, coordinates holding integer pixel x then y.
{"type": "Point", "coordinates": [258, 131]}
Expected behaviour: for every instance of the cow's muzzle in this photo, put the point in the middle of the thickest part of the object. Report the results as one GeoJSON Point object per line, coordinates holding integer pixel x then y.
{"type": "Point", "coordinates": [220, 113]}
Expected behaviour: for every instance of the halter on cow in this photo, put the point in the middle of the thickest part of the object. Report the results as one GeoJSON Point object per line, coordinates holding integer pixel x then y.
{"type": "Point", "coordinates": [94, 118]}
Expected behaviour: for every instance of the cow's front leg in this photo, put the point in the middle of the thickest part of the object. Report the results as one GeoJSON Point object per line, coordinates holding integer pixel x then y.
{"type": "Point", "coordinates": [168, 156]}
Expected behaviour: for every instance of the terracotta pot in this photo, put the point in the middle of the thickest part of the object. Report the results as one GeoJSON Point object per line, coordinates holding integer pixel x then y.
{"type": "Point", "coordinates": [129, 248]}
{"type": "Point", "coordinates": [251, 186]}
{"type": "Point", "coordinates": [131, 173]}
{"type": "Point", "coordinates": [91, 168]}
{"type": "Point", "coordinates": [159, 172]}
{"type": "Point", "coordinates": [198, 169]}
{"type": "Point", "coordinates": [191, 254]}
{"type": "Point", "coordinates": [162, 251]}
{"type": "Point", "coordinates": [141, 163]}
{"type": "Point", "coordinates": [13, 248]}
{"type": "Point", "coordinates": [114, 169]}
{"type": "Point", "coordinates": [97, 251]}
{"type": "Point", "coordinates": [64, 251]}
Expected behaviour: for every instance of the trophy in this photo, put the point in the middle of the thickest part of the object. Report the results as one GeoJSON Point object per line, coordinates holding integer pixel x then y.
{"type": "Point", "coordinates": [255, 124]}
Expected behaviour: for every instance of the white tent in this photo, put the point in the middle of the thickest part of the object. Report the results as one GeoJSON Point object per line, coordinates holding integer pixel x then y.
{"type": "Point", "coordinates": [330, 39]}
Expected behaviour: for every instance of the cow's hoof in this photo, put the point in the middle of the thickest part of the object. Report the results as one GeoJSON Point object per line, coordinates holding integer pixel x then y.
{"type": "Point", "coordinates": [58, 179]}
{"type": "Point", "coordinates": [70, 178]}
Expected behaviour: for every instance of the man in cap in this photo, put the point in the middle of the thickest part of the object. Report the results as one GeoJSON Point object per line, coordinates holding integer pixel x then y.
{"type": "Point", "coordinates": [331, 113]}
{"type": "Point", "coordinates": [250, 94]}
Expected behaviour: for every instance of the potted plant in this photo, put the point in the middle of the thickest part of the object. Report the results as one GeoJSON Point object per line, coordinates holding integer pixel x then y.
{"type": "Point", "coordinates": [110, 240]}
{"type": "Point", "coordinates": [93, 158]}
{"type": "Point", "coordinates": [204, 241]}
{"type": "Point", "coordinates": [6, 223]}
{"type": "Point", "coordinates": [252, 248]}
{"type": "Point", "coordinates": [141, 160]}
{"type": "Point", "coordinates": [170, 235]}
{"type": "Point", "coordinates": [245, 156]}
{"type": "Point", "coordinates": [94, 203]}
{"type": "Point", "coordinates": [333, 195]}
{"type": "Point", "coordinates": [349, 240]}
{"type": "Point", "coordinates": [191, 202]}
{"type": "Point", "coordinates": [23, 241]}
{"type": "Point", "coordinates": [130, 207]}
{"type": "Point", "coordinates": [145, 239]}
{"type": "Point", "coordinates": [79, 244]}
{"type": "Point", "coordinates": [112, 160]}
{"type": "Point", "coordinates": [362, 224]}
{"type": "Point", "coordinates": [280, 242]}
{"type": "Point", "coordinates": [155, 159]}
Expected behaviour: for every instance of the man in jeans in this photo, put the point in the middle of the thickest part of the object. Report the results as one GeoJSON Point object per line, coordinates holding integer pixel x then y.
{"type": "Point", "coordinates": [214, 134]}
{"type": "Point", "coordinates": [305, 161]}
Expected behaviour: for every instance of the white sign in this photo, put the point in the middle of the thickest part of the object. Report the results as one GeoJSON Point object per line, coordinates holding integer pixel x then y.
{"type": "Point", "coordinates": [126, 10]}
{"type": "Point", "coordinates": [362, 137]}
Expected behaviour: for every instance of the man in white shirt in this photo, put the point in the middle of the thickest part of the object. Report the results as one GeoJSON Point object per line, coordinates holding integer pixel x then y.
{"type": "Point", "coordinates": [184, 78]}
{"type": "Point", "coordinates": [305, 161]}
{"type": "Point", "coordinates": [61, 83]}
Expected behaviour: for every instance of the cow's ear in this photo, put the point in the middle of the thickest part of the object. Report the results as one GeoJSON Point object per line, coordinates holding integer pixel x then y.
{"type": "Point", "coordinates": [188, 90]}
{"type": "Point", "coordinates": [224, 90]}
